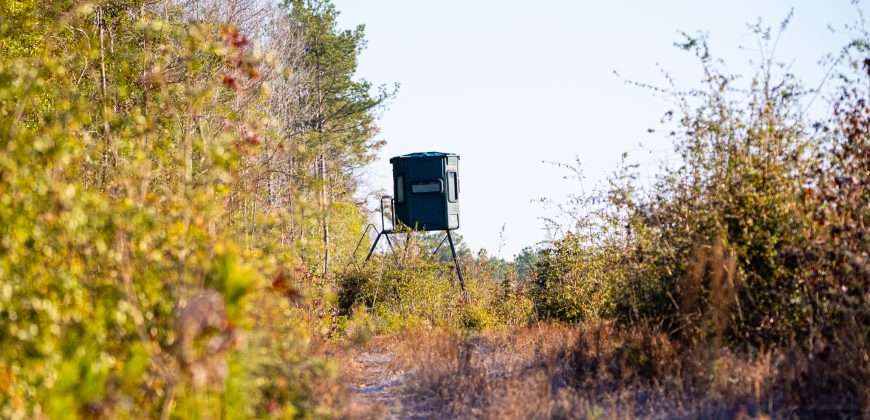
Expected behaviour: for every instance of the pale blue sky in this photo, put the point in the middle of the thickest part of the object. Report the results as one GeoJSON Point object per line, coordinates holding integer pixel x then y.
{"type": "Point", "coordinates": [509, 84]}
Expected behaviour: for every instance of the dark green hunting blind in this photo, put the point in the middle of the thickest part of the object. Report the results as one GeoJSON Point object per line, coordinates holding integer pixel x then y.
{"type": "Point", "coordinates": [425, 198]}
{"type": "Point", "coordinates": [426, 190]}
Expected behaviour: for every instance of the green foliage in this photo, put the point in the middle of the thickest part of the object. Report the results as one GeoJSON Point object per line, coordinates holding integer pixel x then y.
{"type": "Point", "coordinates": [337, 128]}
{"type": "Point", "coordinates": [134, 246]}
{"type": "Point", "coordinates": [474, 318]}
{"type": "Point", "coordinates": [573, 281]}
{"type": "Point", "coordinates": [525, 263]}
{"type": "Point", "coordinates": [425, 293]}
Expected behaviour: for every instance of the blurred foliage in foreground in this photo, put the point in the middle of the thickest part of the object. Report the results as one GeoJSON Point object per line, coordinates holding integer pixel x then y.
{"type": "Point", "coordinates": [157, 177]}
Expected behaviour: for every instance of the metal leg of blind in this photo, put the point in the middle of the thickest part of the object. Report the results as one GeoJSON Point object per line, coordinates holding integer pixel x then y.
{"type": "Point", "coordinates": [434, 252]}
{"type": "Point", "coordinates": [386, 236]}
{"type": "Point", "coordinates": [374, 245]}
{"type": "Point", "coordinates": [456, 264]}
{"type": "Point", "coordinates": [395, 255]}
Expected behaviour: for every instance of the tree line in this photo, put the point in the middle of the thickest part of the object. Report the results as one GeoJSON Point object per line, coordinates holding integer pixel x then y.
{"type": "Point", "coordinates": [172, 175]}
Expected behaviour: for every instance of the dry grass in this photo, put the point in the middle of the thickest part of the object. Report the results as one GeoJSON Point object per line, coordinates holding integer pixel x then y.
{"type": "Point", "coordinates": [558, 371]}
{"type": "Point", "coordinates": [711, 270]}
{"type": "Point", "coordinates": [601, 370]}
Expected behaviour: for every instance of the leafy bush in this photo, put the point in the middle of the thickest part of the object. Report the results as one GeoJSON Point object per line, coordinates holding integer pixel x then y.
{"type": "Point", "coordinates": [758, 237]}
{"type": "Point", "coordinates": [425, 291]}
{"type": "Point", "coordinates": [573, 281]}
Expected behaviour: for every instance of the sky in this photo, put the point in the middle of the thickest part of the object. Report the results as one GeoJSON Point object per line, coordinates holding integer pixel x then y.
{"type": "Point", "coordinates": [512, 85]}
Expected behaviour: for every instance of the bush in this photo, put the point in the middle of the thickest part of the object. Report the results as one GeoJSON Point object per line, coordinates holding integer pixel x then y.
{"type": "Point", "coordinates": [758, 237]}
{"type": "Point", "coordinates": [573, 281]}
{"type": "Point", "coordinates": [426, 292]}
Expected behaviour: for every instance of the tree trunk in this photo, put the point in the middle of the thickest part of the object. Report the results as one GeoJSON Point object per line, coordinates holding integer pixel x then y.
{"type": "Point", "coordinates": [324, 208]}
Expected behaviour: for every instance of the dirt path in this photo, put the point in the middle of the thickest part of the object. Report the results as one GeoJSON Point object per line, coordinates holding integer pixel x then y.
{"type": "Point", "coordinates": [381, 384]}
{"type": "Point", "coordinates": [381, 380]}
{"type": "Point", "coordinates": [378, 384]}
{"type": "Point", "coordinates": [547, 371]}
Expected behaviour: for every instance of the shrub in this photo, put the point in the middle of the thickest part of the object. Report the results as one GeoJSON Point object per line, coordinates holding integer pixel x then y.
{"type": "Point", "coordinates": [422, 291]}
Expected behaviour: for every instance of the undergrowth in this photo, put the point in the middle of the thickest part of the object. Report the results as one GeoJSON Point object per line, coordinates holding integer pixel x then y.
{"type": "Point", "coordinates": [413, 292]}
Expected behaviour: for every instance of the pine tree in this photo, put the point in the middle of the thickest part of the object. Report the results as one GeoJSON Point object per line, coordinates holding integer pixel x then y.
{"type": "Point", "coordinates": [341, 127]}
